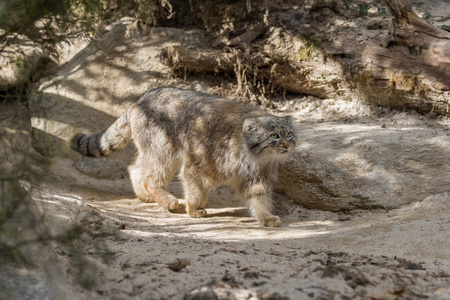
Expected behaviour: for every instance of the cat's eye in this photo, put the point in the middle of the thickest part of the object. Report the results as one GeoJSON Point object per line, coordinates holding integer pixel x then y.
{"type": "Point", "coordinates": [274, 136]}
{"type": "Point", "coordinates": [289, 135]}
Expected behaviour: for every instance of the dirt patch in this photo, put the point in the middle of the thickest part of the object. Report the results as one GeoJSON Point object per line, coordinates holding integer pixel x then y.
{"type": "Point", "coordinates": [315, 254]}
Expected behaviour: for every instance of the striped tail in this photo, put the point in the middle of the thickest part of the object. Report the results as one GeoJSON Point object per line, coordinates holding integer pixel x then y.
{"type": "Point", "coordinates": [106, 142]}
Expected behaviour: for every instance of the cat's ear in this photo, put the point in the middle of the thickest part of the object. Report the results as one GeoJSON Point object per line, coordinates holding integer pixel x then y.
{"type": "Point", "coordinates": [288, 119]}
{"type": "Point", "coordinates": [251, 124]}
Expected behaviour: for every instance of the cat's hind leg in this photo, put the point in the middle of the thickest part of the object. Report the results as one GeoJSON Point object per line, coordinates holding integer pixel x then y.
{"type": "Point", "coordinates": [137, 180]}
{"type": "Point", "coordinates": [150, 176]}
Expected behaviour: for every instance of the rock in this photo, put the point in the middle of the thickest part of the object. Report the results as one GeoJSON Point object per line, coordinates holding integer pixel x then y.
{"type": "Point", "coordinates": [179, 264]}
{"type": "Point", "coordinates": [360, 166]}
{"type": "Point", "coordinates": [267, 295]}
{"type": "Point", "coordinates": [441, 293]}
{"type": "Point", "coordinates": [203, 293]}
{"type": "Point", "coordinates": [18, 62]}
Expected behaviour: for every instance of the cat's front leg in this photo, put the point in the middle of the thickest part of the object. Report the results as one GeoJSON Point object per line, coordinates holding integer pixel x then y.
{"type": "Point", "coordinates": [263, 215]}
{"type": "Point", "coordinates": [259, 198]}
{"type": "Point", "coordinates": [196, 197]}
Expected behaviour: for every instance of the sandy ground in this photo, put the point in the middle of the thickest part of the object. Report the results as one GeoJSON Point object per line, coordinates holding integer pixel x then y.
{"type": "Point", "coordinates": [398, 254]}
{"type": "Point", "coordinates": [317, 254]}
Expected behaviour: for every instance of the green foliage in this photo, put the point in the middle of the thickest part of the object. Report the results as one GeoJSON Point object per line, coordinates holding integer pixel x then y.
{"type": "Point", "coordinates": [17, 171]}
{"type": "Point", "coordinates": [445, 27]}
{"type": "Point", "coordinates": [22, 226]}
{"type": "Point", "coordinates": [312, 44]}
{"type": "Point", "coordinates": [426, 15]}
{"type": "Point", "coordinates": [363, 8]}
{"type": "Point", "coordinates": [48, 22]}
{"type": "Point", "coordinates": [149, 12]}
{"type": "Point", "coordinates": [304, 53]}
{"type": "Point", "coordinates": [382, 11]}
{"type": "Point", "coordinates": [20, 63]}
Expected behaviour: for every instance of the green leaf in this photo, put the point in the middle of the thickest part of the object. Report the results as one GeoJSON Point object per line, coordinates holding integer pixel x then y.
{"type": "Point", "coordinates": [445, 27]}
{"type": "Point", "coordinates": [363, 8]}
{"type": "Point", "coordinates": [382, 11]}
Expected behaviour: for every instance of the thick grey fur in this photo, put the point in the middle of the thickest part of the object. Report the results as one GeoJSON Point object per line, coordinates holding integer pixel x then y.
{"type": "Point", "coordinates": [212, 140]}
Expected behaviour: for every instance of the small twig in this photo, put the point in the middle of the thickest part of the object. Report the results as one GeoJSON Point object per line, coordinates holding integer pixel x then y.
{"type": "Point", "coordinates": [4, 147]}
{"type": "Point", "coordinates": [6, 117]}
{"type": "Point", "coordinates": [2, 193]}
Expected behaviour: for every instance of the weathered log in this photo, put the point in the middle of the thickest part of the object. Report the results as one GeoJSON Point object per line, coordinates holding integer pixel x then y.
{"type": "Point", "coordinates": [310, 79]}
{"type": "Point", "coordinates": [412, 66]}
{"type": "Point", "coordinates": [198, 60]}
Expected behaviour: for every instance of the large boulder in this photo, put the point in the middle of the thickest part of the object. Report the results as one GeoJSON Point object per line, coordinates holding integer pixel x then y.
{"type": "Point", "coordinates": [346, 164]}
{"type": "Point", "coordinates": [382, 164]}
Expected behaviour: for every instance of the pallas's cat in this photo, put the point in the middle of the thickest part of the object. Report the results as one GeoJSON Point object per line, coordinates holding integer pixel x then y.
{"type": "Point", "coordinates": [213, 141]}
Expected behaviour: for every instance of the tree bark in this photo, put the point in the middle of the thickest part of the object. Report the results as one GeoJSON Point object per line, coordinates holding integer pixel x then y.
{"type": "Point", "coordinates": [415, 62]}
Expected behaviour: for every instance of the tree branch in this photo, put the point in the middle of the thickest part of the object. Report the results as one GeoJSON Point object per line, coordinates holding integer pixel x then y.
{"type": "Point", "coordinates": [405, 18]}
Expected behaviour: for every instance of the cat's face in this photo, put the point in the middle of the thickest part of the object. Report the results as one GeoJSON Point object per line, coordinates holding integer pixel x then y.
{"type": "Point", "coordinates": [270, 136]}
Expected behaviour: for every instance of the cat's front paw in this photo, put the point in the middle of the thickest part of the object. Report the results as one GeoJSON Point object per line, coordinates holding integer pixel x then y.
{"type": "Point", "coordinates": [199, 213]}
{"type": "Point", "coordinates": [173, 205]}
{"type": "Point", "coordinates": [272, 221]}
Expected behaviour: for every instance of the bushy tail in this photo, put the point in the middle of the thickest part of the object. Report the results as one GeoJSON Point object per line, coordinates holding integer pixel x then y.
{"type": "Point", "coordinates": [106, 142]}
